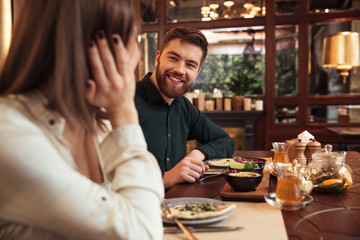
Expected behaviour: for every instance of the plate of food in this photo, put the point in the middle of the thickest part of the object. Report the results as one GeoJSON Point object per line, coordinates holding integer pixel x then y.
{"type": "Point", "coordinates": [247, 164]}
{"type": "Point", "coordinates": [218, 162]}
{"type": "Point", "coordinates": [197, 211]}
{"type": "Point", "coordinates": [250, 163]}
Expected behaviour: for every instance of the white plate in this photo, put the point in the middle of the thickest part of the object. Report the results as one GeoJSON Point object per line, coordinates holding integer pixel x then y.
{"type": "Point", "coordinates": [305, 200]}
{"type": "Point", "coordinates": [212, 163]}
{"type": "Point", "coordinates": [187, 200]}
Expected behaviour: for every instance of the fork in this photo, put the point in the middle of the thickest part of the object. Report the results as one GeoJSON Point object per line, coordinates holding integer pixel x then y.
{"type": "Point", "coordinates": [166, 211]}
{"type": "Point", "coordinates": [219, 174]}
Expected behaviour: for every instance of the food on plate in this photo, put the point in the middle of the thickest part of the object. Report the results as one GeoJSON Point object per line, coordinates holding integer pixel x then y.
{"type": "Point", "coordinates": [243, 181]}
{"type": "Point", "coordinates": [243, 174]}
{"type": "Point", "coordinates": [220, 163]}
{"type": "Point", "coordinates": [240, 159]}
{"type": "Point", "coordinates": [250, 164]}
{"type": "Point", "coordinates": [200, 210]}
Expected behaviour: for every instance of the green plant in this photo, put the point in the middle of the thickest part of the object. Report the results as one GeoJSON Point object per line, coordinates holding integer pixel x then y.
{"type": "Point", "coordinates": [214, 73]}
{"type": "Point", "coordinates": [286, 72]}
{"type": "Point", "coordinates": [247, 75]}
{"type": "Point", "coordinates": [233, 74]}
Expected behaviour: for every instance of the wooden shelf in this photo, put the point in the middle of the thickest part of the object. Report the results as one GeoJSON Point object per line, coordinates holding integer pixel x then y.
{"type": "Point", "coordinates": [242, 119]}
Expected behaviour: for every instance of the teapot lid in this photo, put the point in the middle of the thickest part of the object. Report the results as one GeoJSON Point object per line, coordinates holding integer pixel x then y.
{"type": "Point", "coordinates": [327, 154]}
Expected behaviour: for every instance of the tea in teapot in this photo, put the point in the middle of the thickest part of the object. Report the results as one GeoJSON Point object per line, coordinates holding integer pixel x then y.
{"type": "Point", "coordinates": [328, 171]}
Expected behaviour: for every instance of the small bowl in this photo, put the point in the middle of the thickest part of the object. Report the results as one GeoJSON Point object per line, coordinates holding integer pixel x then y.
{"type": "Point", "coordinates": [243, 184]}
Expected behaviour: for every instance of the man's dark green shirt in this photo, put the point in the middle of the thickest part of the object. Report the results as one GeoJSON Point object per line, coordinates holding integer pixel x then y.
{"type": "Point", "coordinates": [167, 128]}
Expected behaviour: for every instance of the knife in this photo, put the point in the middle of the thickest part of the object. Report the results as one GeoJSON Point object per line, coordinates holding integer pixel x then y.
{"type": "Point", "coordinates": [201, 229]}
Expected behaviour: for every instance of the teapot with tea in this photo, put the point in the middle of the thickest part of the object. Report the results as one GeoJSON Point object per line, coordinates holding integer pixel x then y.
{"type": "Point", "coordinates": [328, 171]}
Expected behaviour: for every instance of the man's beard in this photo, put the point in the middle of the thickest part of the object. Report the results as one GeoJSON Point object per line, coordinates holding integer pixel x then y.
{"type": "Point", "coordinates": [170, 90]}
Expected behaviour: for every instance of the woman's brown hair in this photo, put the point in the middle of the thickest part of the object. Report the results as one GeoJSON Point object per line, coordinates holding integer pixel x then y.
{"type": "Point", "coordinates": [49, 49]}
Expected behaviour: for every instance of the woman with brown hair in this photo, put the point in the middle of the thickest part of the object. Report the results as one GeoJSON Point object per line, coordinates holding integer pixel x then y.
{"type": "Point", "coordinates": [70, 68]}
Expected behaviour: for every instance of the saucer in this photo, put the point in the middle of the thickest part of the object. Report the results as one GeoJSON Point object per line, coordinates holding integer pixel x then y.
{"type": "Point", "coordinates": [305, 200]}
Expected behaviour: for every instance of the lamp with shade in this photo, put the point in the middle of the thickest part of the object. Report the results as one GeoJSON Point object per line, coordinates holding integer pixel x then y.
{"type": "Point", "coordinates": [341, 51]}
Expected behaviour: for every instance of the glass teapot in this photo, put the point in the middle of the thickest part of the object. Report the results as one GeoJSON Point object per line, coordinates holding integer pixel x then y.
{"type": "Point", "coordinates": [328, 171]}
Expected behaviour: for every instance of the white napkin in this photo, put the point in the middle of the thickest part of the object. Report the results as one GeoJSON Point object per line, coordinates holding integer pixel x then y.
{"type": "Point", "coordinates": [305, 136]}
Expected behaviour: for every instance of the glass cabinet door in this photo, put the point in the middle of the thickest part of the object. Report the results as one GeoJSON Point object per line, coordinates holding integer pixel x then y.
{"type": "Point", "coordinates": [148, 46]}
{"type": "Point", "coordinates": [148, 11]}
{"type": "Point", "coordinates": [324, 80]}
{"type": "Point", "coordinates": [207, 10]}
{"type": "Point", "coordinates": [235, 63]}
{"type": "Point", "coordinates": [286, 75]}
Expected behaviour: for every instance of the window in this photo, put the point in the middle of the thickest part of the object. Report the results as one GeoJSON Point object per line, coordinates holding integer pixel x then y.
{"type": "Point", "coordinates": [207, 10]}
{"type": "Point", "coordinates": [327, 81]}
{"type": "Point", "coordinates": [235, 63]}
{"type": "Point", "coordinates": [148, 11]}
{"type": "Point", "coordinates": [148, 46]}
{"type": "Point", "coordinates": [286, 6]}
{"type": "Point", "coordinates": [286, 60]}
{"type": "Point", "coordinates": [335, 114]}
{"type": "Point", "coordinates": [317, 6]}
{"type": "Point", "coordinates": [286, 114]}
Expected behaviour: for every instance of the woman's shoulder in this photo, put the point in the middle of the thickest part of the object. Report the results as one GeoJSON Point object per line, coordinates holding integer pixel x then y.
{"type": "Point", "coordinates": [10, 107]}
{"type": "Point", "coordinates": [22, 111]}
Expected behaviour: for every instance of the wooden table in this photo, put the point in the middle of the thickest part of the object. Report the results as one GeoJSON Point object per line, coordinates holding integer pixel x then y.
{"type": "Point", "coordinates": [347, 135]}
{"type": "Point", "coordinates": [346, 132]}
{"type": "Point", "coordinates": [330, 216]}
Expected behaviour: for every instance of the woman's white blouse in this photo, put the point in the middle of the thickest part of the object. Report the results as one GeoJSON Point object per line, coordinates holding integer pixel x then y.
{"type": "Point", "coordinates": [42, 194]}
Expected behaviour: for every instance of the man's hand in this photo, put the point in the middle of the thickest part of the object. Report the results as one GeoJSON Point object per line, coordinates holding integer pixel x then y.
{"type": "Point", "coordinates": [189, 169]}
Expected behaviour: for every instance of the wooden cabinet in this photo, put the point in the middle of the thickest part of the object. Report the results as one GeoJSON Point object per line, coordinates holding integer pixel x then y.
{"type": "Point", "coordinates": [266, 129]}
{"type": "Point", "coordinates": [241, 119]}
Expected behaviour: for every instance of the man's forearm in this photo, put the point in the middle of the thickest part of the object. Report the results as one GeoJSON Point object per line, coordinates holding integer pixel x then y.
{"type": "Point", "coordinates": [219, 148]}
{"type": "Point", "coordinates": [197, 154]}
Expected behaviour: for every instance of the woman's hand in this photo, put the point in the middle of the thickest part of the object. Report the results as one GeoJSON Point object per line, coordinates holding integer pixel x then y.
{"type": "Point", "coordinates": [113, 86]}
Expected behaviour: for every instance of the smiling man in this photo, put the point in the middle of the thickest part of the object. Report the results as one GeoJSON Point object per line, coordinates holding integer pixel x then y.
{"type": "Point", "coordinates": [168, 119]}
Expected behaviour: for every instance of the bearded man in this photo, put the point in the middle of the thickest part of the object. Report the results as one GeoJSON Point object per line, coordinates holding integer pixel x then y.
{"type": "Point", "coordinates": [169, 119]}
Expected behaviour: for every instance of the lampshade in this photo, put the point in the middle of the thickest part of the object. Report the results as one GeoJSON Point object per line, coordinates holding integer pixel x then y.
{"type": "Point", "coordinates": [342, 51]}
{"type": "Point", "coordinates": [5, 29]}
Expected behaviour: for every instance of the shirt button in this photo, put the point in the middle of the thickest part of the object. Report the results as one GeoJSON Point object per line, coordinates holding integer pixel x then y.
{"type": "Point", "coordinates": [167, 159]}
{"type": "Point", "coordinates": [169, 135]}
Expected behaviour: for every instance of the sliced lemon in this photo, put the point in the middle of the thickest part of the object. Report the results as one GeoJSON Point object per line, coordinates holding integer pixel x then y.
{"type": "Point", "coordinates": [349, 179]}
{"type": "Point", "coordinates": [332, 181]}
{"type": "Point", "coordinates": [236, 165]}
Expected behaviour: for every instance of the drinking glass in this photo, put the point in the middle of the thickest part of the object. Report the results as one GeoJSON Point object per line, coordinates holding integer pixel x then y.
{"type": "Point", "coordinates": [288, 192]}
{"type": "Point", "coordinates": [281, 154]}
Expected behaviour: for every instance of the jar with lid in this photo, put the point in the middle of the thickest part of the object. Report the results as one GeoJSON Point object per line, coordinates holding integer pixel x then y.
{"type": "Point", "coordinates": [328, 171]}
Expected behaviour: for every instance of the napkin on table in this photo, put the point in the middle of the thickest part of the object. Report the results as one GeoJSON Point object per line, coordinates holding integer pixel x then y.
{"type": "Point", "coordinates": [305, 136]}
